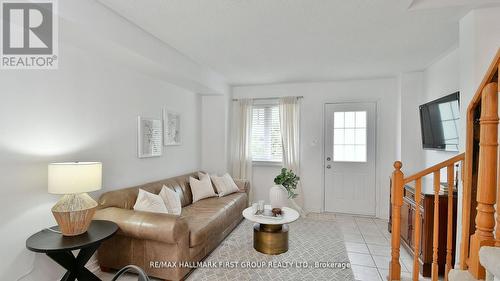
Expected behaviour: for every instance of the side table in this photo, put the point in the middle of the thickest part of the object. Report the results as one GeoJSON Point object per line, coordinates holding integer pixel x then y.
{"type": "Point", "coordinates": [59, 247]}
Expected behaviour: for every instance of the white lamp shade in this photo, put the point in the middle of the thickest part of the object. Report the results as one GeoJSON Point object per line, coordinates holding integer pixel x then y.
{"type": "Point", "coordinates": [74, 177]}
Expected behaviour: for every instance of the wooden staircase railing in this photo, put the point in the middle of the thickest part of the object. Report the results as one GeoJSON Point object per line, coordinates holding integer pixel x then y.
{"type": "Point", "coordinates": [480, 173]}
{"type": "Point", "coordinates": [481, 189]}
{"type": "Point", "coordinates": [398, 182]}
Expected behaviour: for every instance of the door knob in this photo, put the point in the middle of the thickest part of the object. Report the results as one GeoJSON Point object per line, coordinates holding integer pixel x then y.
{"type": "Point", "coordinates": [328, 166]}
{"type": "Point", "coordinates": [328, 159]}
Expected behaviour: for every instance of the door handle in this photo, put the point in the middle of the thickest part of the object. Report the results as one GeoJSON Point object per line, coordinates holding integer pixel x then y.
{"type": "Point", "coordinates": [328, 158]}
{"type": "Point", "coordinates": [328, 166]}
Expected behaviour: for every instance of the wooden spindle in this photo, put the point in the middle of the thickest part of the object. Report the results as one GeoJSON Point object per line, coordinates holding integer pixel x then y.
{"type": "Point", "coordinates": [487, 179]}
{"type": "Point", "coordinates": [397, 202]}
{"type": "Point", "coordinates": [435, 230]}
{"type": "Point", "coordinates": [449, 231]}
{"type": "Point", "coordinates": [467, 183]}
{"type": "Point", "coordinates": [497, 230]}
{"type": "Point", "coordinates": [417, 232]}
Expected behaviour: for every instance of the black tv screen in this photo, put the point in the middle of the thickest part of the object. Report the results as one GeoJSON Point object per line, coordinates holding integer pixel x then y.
{"type": "Point", "coordinates": [439, 123]}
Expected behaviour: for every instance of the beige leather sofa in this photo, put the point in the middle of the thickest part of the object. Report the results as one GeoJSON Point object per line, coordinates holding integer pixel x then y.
{"type": "Point", "coordinates": [154, 241]}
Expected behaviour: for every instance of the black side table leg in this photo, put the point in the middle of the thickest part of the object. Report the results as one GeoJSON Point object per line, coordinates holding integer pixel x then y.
{"type": "Point", "coordinates": [76, 266]}
{"type": "Point", "coordinates": [81, 260]}
{"type": "Point", "coordinates": [66, 260]}
{"type": "Point", "coordinates": [68, 276]}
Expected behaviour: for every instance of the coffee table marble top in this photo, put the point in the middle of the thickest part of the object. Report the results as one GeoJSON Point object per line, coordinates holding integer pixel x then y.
{"type": "Point", "coordinates": [289, 215]}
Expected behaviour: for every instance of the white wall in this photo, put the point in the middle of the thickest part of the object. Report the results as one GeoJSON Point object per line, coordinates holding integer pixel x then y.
{"type": "Point", "coordinates": [215, 131]}
{"type": "Point", "coordinates": [86, 110]}
{"type": "Point", "coordinates": [381, 91]}
{"type": "Point", "coordinates": [411, 92]}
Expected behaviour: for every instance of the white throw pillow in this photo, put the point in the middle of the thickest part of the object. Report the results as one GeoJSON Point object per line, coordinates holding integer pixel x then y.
{"type": "Point", "coordinates": [172, 200]}
{"type": "Point", "coordinates": [225, 185]}
{"type": "Point", "coordinates": [202, 188]}
{"type": "Point", "coordinates": [149, 202]}
{"type": "Point", "coordinates": [202, 176]}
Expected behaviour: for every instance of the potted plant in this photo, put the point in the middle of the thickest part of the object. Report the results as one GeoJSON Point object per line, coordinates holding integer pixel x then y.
{"type": "Point", "coordinates": [284, 188]}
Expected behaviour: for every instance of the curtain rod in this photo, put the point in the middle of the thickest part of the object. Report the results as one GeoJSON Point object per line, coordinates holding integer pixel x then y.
{"type": "Point", "coordinates": [272, 98]}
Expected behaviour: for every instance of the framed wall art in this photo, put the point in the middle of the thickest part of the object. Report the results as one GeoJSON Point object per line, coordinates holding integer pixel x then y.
{"type": "Point", "coordinates": [149, 137]}
{"type": "Point", "coordinates": [171, 127]}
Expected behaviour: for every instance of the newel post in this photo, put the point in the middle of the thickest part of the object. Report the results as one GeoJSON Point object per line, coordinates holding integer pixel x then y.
{"type": "Point", "coordinates": [487, 179]}
{"type": "Point", "coordinates": [396, 202]}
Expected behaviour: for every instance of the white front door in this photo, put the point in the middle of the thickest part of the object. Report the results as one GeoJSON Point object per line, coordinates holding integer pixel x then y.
{"type": "Point", "coordinates": [349, 160]}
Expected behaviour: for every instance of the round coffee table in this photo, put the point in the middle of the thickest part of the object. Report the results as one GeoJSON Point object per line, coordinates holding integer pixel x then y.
{"type": "Point", "coordinates": [270, 236]}
{"type": "Point", "coordinates": [59, 247]}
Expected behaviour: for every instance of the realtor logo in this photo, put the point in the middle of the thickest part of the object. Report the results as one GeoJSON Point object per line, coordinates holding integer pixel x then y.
{"type": "Point", "coordinates": [29, 35]}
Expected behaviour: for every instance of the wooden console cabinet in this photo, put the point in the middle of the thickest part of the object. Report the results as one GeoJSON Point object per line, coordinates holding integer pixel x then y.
{"type": "Point", "coordinates": [408, 223]}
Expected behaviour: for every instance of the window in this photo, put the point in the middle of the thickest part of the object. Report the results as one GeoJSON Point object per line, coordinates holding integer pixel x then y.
{"type": "Point", "coordinates": [349, 136]}
{"type": "Point", "coordinates": [266, 134]}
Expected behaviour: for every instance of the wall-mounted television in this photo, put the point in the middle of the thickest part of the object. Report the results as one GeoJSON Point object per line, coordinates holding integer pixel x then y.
{"type": "Point", "coordinates": [439, 122]}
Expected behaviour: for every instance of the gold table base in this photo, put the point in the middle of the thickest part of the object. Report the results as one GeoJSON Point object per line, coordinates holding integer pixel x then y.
{"type": "Point", "coordinates": [271, 239]}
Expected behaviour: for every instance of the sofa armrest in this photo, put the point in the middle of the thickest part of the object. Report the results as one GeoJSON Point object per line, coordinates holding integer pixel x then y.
{"type": "Point", "coordinates": [243, 185]}
{"type": "Point", "coordinates": [144, 225]}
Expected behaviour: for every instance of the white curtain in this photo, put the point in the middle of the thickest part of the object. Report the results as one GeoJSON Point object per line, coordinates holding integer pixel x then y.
{"type": "Point", "coordinates": [290, 134]}
{"type": "Point", "coordinates": [241, 140]}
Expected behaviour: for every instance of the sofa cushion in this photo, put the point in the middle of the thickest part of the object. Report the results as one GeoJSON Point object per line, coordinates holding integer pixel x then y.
{"type": "Point", "coordinates": [125, 198]}
{"type": "Point", "coordinates": [201, 188]}
{"type": "Point", "coordinates": [225, 185]}
{"type": "Point", "coordinates": [212, 215]}
{"type": "Point", "coordinates": [172, 200]}
{"type": "Point", "coordinates": [149, 202]}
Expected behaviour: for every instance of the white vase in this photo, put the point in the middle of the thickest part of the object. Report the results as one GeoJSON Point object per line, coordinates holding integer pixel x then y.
{"type": "Point", "coordinates": [278, 196]}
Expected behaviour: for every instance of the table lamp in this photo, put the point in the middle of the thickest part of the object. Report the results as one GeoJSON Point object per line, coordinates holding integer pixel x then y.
{"type": "Point", "coordinates": [74, 211]}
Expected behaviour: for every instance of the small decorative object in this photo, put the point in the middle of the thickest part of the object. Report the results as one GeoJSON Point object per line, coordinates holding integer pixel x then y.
{"type": "Point", "coordinates": [278, 196]}
{"type": "Point", "coordinates": [267, 213]}
{"type": "Point", "coordinates": [149, 137]}
{"type": "Point", "coordinates": [255, 208]}
{"type": "Point", "coordinates": [74, 211]}
{"type": "Point", "coordinates": [261, 206]}
{"type": "Point", "coordinates": [171, 128]}
{"type": "Point", "coordinates": [276, 212]}
{"type": "Point", "coordinates": [284, 188]}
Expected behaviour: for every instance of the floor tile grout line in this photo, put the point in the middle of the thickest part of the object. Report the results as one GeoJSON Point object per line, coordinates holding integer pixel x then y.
{"type": "Point", "coordinates": [362, 236]}
{"type": "Point", "coordinates": [381, 231]}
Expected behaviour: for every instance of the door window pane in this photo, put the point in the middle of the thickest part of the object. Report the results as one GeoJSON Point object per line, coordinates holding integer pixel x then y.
{"type": "Point", "coordinates": [349, 136]}
{"type": "Point", "coordinates": [338, 152]}
{"type": "Point", "coordinates": [349, 119]}
{"type": "Point", "coordinates": [360, 153]}
{"type": "Point", "coordinates": [349, 153]}
{"type": "Point", "coordinates": [361, 119]}
{"type": "Point", "coordinates": [360, 136]}
{"type": "Point", "coordinates": [338, 135]}
{"type": "Point", "coordinates": [338, 120]}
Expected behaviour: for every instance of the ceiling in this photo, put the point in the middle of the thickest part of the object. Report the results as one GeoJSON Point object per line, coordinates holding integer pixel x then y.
{"type": "Point", "coordinates": [274, 41]}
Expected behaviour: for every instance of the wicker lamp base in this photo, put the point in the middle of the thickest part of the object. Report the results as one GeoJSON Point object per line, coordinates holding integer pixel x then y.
{"type": "Point", "coordinates": [74, 212]}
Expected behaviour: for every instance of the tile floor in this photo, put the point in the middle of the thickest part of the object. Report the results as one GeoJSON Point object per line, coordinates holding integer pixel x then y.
{"type": "Point", "coordinates": [368, 246]}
